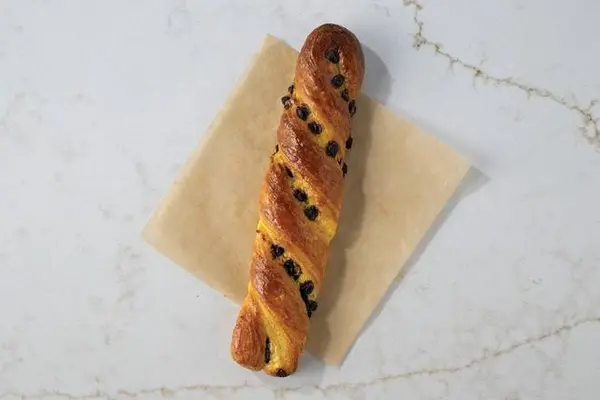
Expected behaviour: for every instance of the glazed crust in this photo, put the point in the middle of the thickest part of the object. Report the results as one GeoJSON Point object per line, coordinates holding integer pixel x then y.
{"type": "Point", "coordinates": [300, 203]}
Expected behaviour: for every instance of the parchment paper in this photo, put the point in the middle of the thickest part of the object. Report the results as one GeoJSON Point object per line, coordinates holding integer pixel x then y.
{"type": "Point", "coordinates": [398, 181]}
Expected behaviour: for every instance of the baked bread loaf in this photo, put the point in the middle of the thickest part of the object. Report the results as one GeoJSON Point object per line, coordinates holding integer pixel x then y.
{"type": "Point", "coordinates": [300, 203]}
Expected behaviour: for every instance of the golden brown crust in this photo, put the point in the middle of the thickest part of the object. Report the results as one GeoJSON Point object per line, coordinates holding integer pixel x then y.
{"type": "Point", "coordinates": [300, 203]}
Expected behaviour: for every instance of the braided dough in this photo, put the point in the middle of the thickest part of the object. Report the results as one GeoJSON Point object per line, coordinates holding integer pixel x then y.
{"type": "Point", "coordinates": [300, 203]}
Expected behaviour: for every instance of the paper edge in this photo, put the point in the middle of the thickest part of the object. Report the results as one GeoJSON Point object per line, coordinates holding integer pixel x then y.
{"type": "Point", "coordinates": [198, 149]}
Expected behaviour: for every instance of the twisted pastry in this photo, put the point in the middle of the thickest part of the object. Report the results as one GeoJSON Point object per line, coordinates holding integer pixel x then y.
{"type": "Point", "coordinates": [300, 203]}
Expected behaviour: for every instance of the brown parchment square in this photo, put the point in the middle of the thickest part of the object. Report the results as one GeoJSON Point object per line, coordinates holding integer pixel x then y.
{"type": "Point", "coordinates": [399, 180]}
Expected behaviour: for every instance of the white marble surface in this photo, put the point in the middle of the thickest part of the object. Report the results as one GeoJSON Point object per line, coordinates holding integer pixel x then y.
{"type": "Point", "coordinates": [102, 101]}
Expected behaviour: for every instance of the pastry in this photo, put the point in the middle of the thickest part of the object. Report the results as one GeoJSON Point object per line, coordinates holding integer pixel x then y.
{"type": "Point", "coordinates": [300, 203]}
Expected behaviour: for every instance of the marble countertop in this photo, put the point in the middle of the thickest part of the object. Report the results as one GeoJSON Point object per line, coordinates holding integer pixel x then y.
{"type": "Point", "coordinates": [101, 103]}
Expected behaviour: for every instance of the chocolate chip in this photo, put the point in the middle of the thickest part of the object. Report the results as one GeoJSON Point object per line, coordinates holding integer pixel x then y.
{"type": "Point", "coordinates": [300, 195]}
{"type": "Point", "coordinates": [311, 307]}
{"type": "Point", "coordinates": [333, 56]}
{"type": "Point", "coordinates": [302, 112]}
{"type": "Point", "coordinates": [315, 127]}
{"type": "Point", "coordinates": [276, 148]}
{"type": "Point", "coordinates": [344, 169]}
{"type": "Point", "coordinates": [289, 172]}
{"type": "Point", "coordinates": [281, 373]}
{"type": "Point", "coordinates": [276, 250]}
{"type": "Point", "coordinates": [352, 108]}
{"type": "Point", "coordinates": [332, 148]}
{"type": "Point", "coordinates": [292, 269]}
{"type": "Point", "coordinates": [337, 81]}
{"type": "Point", "coordinates": [349, 142]}
{"type": "Point", "coordinates": [291, 89]}
{"type": "Point", "coordinates": [307, 287]}
{"type": "Point", "coordinates": [306, 301]}
{"type": "Point", "coordinates": [286, 100]}
{"type": "Point", "coordinates": [345, 95]}
{"type": "Point", "coordinates": [267, 351]}
{"type": "Point", "coordinates": [304, 296]}
{"type": "Point", "coordinates": [311, 212]}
